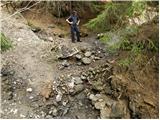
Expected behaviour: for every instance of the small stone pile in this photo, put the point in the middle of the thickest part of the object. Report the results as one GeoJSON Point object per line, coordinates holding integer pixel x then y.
{"type": "Point", "coordinates": [80, 56]}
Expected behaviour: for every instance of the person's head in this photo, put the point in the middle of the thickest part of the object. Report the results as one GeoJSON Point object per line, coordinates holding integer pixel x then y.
{"type": "Point", "coordinates": [74, 12]}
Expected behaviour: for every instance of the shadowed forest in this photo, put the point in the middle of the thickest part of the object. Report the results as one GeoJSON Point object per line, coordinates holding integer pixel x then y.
{"type": "Point", "coordinates": [79, 59]}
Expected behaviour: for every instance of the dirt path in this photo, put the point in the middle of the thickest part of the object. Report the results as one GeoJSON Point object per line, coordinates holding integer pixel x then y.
{"type": "Point", "coordinates": [33, 61]}
{"type": "Point", "coordinates": [45, 75]}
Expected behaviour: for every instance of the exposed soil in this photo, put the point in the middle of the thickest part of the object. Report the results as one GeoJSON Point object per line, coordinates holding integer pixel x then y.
{"type": "Point", "coordinates": [42, 77]}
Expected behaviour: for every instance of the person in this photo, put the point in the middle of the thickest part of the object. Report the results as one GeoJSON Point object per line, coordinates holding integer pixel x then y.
{"type": "Point", "coordinates": [74, 21]}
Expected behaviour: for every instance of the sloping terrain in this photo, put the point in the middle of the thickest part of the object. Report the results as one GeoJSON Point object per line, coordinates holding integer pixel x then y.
{"type": "Point", "coordinates": [45, 75]}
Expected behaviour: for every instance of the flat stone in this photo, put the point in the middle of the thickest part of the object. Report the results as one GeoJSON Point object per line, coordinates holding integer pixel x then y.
{"type": "Point", "coordinates": [86, 60]}
{"type": "Point", "coordinates": [78, 56]}
{"type": "Point", "coordinates": [87, 54]}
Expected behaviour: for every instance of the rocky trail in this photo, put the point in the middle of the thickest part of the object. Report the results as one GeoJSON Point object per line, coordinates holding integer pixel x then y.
{"type": "Point", "coordinates": [45, 75]}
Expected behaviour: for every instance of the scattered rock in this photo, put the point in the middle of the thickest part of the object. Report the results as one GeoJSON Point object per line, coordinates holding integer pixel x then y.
{"type": "Point", "coordinates": [78, 88]}
{"type": "Point", "coordinates": [88, 54]}
{"type": "Point", "coordinates": [48, 117]}
{"type": "Point", "coordinates": [118, 110]}
{"type": "Point", "coordinates": [78, 56]}
{"type": "Point", "coordinates": [93, 97]}
{"type": "Point", "coordinates": [83, 77]}
{"type": "Point", "coordinates": [100, 104]}
{"type": "Point", "coordinates": [105, 113]}
{"type": "Point", "coordinates": [86, 60]}
{"type": "Point", "coordinates": [54, 111]}
{"type": "Point", "coordinates": [35, 29]}
{"type": "Point", "coordinates": [59, 97]}
{"type": "Point", "coordinates": [31, 97]}
{"type": "Point", "coordinates": [29, 90]}
{"type": "Point", "coordinates": [78, 80]}
{"type": "Point", "coordinates": [65, 63]}
{"type": "Point", "coordinates": [97, 58]}
{"type": "Point", "coordinates": [98, 85]}
{"type": "Point", "coordinates": [71, 84]}
{"type": "Point", "coordinates": [67, 52]}
{"type": "Point", "coordinates": [50, 38]}
{"type": "Point", "coordinates": [79, 63]}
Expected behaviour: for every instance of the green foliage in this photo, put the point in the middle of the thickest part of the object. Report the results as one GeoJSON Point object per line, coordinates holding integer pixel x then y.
{"type": "Point", "coordinates": [152, 45]}
{"type": "Point", "coordinates": [125, 62]}
{"type": "Point", "coordinates": [5, 42]}
{"type": "Point", "coordinates": [137, 48]}
{"type": "Point", "coordinates": [116, 15]}
{"type": "Point", "coordinates": [137, 8]}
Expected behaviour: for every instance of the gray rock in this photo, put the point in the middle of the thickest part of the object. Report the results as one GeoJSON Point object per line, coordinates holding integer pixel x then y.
{"type": "Point", "coordinates": [65, 63]}
{"type": "Point", "coordinates": [29, 90]}
{"type": "Point", "coordinates": [53, 111]}
{"type": "Point", "coordinates": [78, 88]}
{"type": "Point", "coordinates": [59, 97]}
{"type": "Point", "coordinates": [97, 58]}
{"type": "Point", "coordinates": [67, 52]}
{"type": "Point", "coordinates": [78, 56]}
{"type": "Point", "coordinates": [49, 117]}
{"type": "Point", "coordinates": [79, 63]}
{"type": "Point", "coordinates": [86, 60]}
{"type": "Point", "coordinates": [78, 80]}
{"type": "Point", "coordinates": [93, 97]}
{"type": "Point", "coordinates": [105, 113]}
{"type": "Point", "coordinates": [83, 77]}
{"type": "Point", "coordinates": [100, 104]}
{"type": "Point", "coordinates": [118, 110]}
{"type": "Point", "coordinates": [88, 54]}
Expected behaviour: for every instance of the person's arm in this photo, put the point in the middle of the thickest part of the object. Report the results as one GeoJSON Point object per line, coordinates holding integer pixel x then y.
{"type": "Point", "coordinates": [78, 21]}
{"type": "Point", "coordinates": [69, 21]}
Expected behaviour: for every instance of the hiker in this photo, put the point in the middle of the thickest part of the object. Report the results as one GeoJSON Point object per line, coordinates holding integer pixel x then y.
{"type": "Point", "coordinates": [74, 20]}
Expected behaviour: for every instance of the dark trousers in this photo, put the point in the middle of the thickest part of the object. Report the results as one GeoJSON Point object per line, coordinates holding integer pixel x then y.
{"type": "Point", "coordinates": [74, 29]}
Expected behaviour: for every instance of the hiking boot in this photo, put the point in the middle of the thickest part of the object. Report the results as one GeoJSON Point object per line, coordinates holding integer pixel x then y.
{"type": "Point", "coordinates": [79, 41]}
